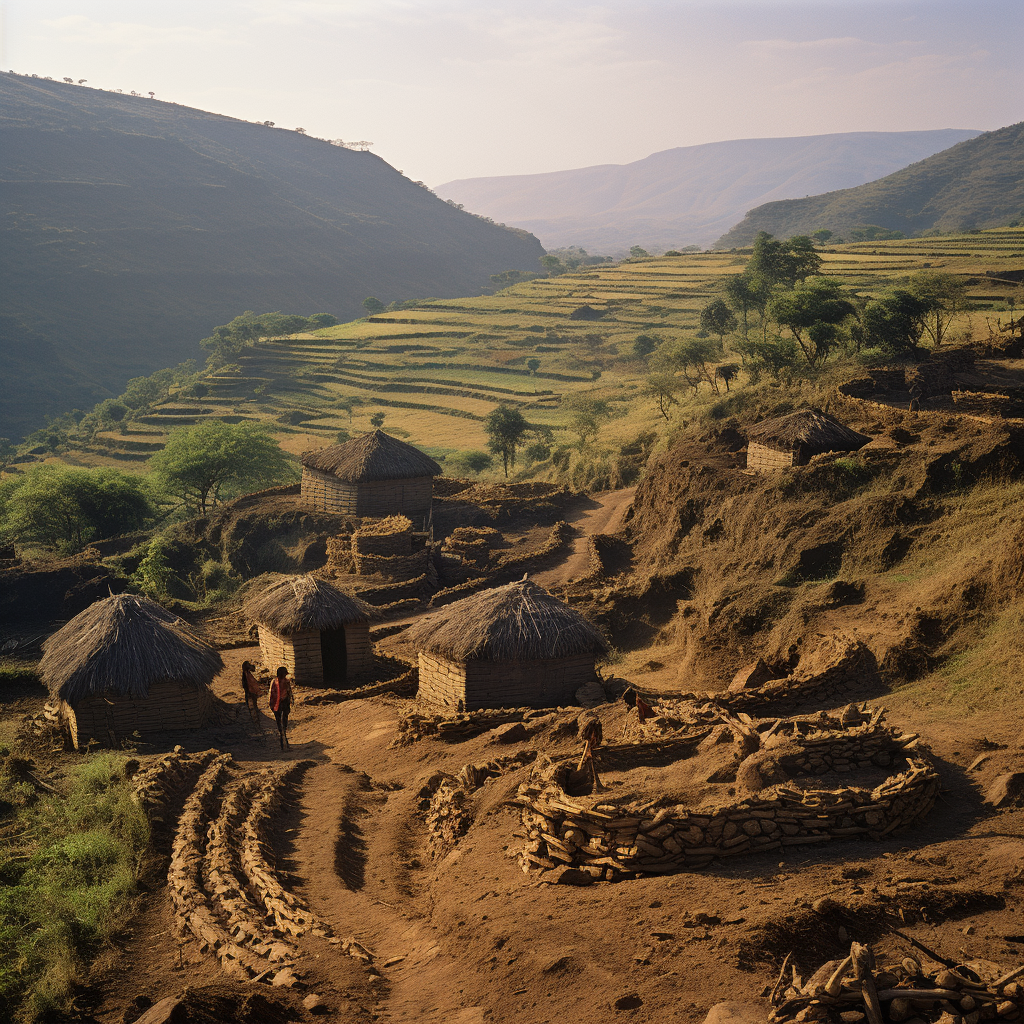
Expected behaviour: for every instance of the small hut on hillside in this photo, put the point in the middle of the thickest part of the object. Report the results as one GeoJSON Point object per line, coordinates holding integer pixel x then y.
{"type": "Point", "coordinates": [320, 633]}
{"type": "Point", "coordinates": [794, 439]}
{"type": "Point", "coordinates": [513, 646]}
{"type": "Point", "coordinates": [374, 475]}
{"type": "Point", "coordinates": [126, 664]}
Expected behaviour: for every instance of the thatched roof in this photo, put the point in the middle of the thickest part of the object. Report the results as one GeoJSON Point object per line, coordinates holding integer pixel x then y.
{"type": "Point", "coordinates": [288, 604]}
{"type": "Point", "coordinates": [373, 456]}
{"type": "Point", "coordinates": [517, 622]}
{"type": "Point", "coordinates": [122, 645]}
{"type": "Point", "coordinates": [810, 429]}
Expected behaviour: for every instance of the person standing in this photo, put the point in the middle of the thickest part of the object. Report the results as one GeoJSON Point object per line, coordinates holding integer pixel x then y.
{"type": "Point", "coordinates": [281, 703]}
{"type": "Point", "coordinates": [251, 688]}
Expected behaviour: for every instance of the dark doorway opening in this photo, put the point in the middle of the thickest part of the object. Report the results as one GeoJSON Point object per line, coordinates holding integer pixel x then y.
{"type": "Point", "coordinates": [334, 655]}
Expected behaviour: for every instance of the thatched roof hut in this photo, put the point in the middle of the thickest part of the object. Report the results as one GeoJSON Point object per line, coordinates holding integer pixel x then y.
{"type": "Point", "coordinates": [515, 645]}
{"type": "Point", "coordinates": [372, 475]}
{"type": "Point", "coordinates": [318, 632]}
{"type": "Point", "coordinates": [126, 664]}
{"type": "Point", "coordinates": [792, 440]}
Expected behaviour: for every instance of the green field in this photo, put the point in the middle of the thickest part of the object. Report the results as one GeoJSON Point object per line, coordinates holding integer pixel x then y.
{"type": "Point", "coordinates": [437, 369]}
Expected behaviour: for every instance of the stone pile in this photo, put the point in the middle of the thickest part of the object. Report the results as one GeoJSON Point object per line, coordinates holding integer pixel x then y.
{"type": "Point", "coordinates": [455, 728]}
{"type": "Point", "coordinates": [403, 685]}
{"type": "Point", "coordinates": [857, 989]}
{"type": "Point", "coordinates": [614, 841]}
{"type": "Point", "coordinates": [161, 786]}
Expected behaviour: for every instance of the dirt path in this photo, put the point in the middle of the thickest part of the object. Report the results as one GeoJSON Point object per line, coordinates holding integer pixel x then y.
{"type": "Point", "coordinates": [606, 517]}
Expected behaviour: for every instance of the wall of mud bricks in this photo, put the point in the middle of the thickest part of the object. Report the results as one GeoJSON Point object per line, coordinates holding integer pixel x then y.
{"type": "Point", "coordinates": [611, 843]}
{"type": "Point", "coordinates": [108, 718]}
{"type": "Point", "coordinates": [391, 536]}
{"type": "Point", "coordinates": [471, 685]}
{"type": "Point", "coordinates": [1008, 403]}
{"type": "Point", "coordinates": [396, 567]}
{"type": "Point", "coordinates": [766, 460]}
{"type": "Point", "coordinates": [300, 653]}
{"type": "Point", "coordinates": [375, 498]}
{"type": "Point", "coordinates": [560, 533]}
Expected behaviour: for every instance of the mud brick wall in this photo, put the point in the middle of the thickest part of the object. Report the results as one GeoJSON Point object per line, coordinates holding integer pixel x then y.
{"type": "Point", "coordinates": [500, 684]}
{"type": "Point", "coordinates": [299, 653]}
{"type": "Point", "coordinates": [612, 842]}
{"type": "Point", "coordinates": [170, 705]}
{"type": "Point", "coordinates": [375, 498]}
{"type": "Point", "coordinates": [764, 459]}
{"type": "Point", "coordinates": [358, 650]}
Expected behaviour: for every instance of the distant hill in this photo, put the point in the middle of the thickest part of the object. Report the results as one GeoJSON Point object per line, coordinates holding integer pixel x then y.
{"type": "Point", "coordinates": [688, 195]}
{"type": "Point", "coordinates": [976, 184]}
{"type": "Point", "coordinates": [131, 227]}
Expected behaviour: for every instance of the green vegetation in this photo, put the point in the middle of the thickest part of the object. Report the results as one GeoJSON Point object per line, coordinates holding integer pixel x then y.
{"type": "Point", "coordinates": [69, 870]}
{"type": "Point", "coordinates": [506, 427]}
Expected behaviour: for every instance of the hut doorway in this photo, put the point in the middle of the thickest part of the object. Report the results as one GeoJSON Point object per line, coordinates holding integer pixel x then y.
{"type": "Point", "coordinates": [334, 654]}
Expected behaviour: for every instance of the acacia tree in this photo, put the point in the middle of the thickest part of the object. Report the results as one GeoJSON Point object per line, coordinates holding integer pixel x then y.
{"type": "Point", "coordinates": [895, 322]}
{"type": "Point", "coordinates": [197, 462]}
{"type": "Point", "coordinates": [717, 318]}
{"type": "Point", "coordinates": [812, 315]}
{"type": "Point", "coordinates": [663, 388]}
{"type": "Point", "coordinates": [506, 429]}
{"type": "Point", "coordinates": [946, 295]}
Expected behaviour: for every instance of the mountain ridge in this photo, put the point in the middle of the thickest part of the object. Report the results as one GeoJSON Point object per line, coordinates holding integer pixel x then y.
{"type": "Point", "coordinates": [132, 227]}
{"type": "Point", "coordinates": [690, 194]}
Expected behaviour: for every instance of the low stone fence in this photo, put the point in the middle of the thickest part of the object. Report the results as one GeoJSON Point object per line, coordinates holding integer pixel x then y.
{"type": "Point", "coordinates": [396, 567]}
{"type": "Point", "coordinates": [454, 728]}
{"type": "Point", "coordinates": [401, 686]}
{"type": "Point", "coordinates": [611, 842]}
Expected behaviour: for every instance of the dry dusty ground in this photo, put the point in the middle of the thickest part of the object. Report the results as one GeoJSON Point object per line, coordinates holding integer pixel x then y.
{"type": "Point", "coordinates": [479, 940]}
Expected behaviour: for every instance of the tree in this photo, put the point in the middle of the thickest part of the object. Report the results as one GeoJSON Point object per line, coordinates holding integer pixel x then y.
{"type": "Point", "coordinates": [142, 392]}
{"type": "Point", "coordinates": [822, 302]}
{"type": "Point", "coordinates": [552, 264]}
{"type": "Point", "coordinates": [320, 320]}
{"type": "Point", "coordinates": [821, 236]}
{"type": "Point", "coordinates": [70, 81]}
{"type": "Point", "coordinates": [638, 253]}
{"type": "Point", "coordinates": [67, 507]}
{"type": "Point", "coordinates": [505, 428]}
{"type": "Point", "coordinates": [691, 358]}
{"type": "Point", "coordinates": [585, 416]}
{"type": "Point", "coordinates": [717, 318]}
{"type": "Point", "coordinates": [377, 420]}
{"type": "Point", "coordinates": [895, 322]}
{"type": "Point", "coordinates": [776, 263]}
{"type": "Point", "coordinates": [946, 295]}
{"type": "Point", "coordinates": [7, 453]}
{"type": "Point", "coordinates": [746, 292]}
{"type": "Point", "coordinates": [470, 461]}
{"type": "Point", "coordinates": [507, 278]}
{"type": "Point", "coordinates": [663, 388]}
{"type": "Point", "coordinates": [197, 462]}
{"type": "Point", "coordinates": [805, 260]}
{"type": "Point", "coordinates": [533, 364]}
{"type": "Point", "coordinates": [373, 306]}
{"type": "Point", "coordinates": [644, 346]}
{"type": "Point", "coordinates": [110, 412]}
{"type": "Point", "coordinates": [727, 372]}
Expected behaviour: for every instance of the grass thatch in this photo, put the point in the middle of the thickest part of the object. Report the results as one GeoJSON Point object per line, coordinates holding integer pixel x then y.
{"type": "Point", "coordinates": [517, 622]}
{"type": "Point", "coordinates": [122, 645]}
{"type": "Point", "coordinates": [387, 527]}
{"type": "Point", "coordinates": [810, 429]}
{"type": "Point", "coordinates": [374, 456]}
{"type": "Point", "coordinates": [289, 604]}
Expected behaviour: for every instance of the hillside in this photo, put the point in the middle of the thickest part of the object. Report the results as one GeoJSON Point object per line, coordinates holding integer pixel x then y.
{"type": "Point", "coordinates": [978, 183]}
{"type": "Point", "coordinates": [131, 227]}
{"type": "Point", "coordinates": [688, 195]}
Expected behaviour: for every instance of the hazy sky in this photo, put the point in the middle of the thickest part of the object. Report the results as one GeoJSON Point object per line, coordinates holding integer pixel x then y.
{"type": "Point", "coordinates": [459, 88]}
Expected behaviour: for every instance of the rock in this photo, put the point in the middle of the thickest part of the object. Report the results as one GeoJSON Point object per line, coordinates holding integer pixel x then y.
{"type": "Point", "coordinates": [735, 1012]}
{"type": "Point", "coordinates": [751, 676]}
{"type": "Point", "coordinates": [315, 1004]}
{"type": "Point", "coordinates": [285, 979]}
{"type": "Point", "coordinates": [1006, 790]}
{"type": "Point", "coordinates": [631, 1001]}
{"type": "Point", "coordinates": [573, 876]}
{"type": "Point", "coordinates": [168, 1011]}
{"type": "Point", "coordinates": [557, 965]}
{"type": "Point", "coordinates": [512, 732]}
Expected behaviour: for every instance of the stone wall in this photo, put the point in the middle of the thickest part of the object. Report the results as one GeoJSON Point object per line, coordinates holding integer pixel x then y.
{"type": "Point", "coordinates": [471, 685]}
{"type": "Point", "coordinates": [109, 718]}
{"type": "Point", "coordinates": [614, 842]}
{"type": "Point", "coordinates": [396, 567]}
{"type": "Point", "coordinates": [766, 460]}
{"type": "Point", "coordinates": [391, 536]}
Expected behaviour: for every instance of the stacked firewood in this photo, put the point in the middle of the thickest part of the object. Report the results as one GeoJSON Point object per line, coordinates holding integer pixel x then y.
{"type": "Point", "coordinates": [857, 989]}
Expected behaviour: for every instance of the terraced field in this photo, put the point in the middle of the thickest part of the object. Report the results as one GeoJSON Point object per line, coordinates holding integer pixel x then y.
{"type": "Point", "coordinates": [437, 369]}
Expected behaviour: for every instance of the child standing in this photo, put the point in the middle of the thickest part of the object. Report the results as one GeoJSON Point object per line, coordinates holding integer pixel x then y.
{"type": "Point", "coordinates": [281, 703]}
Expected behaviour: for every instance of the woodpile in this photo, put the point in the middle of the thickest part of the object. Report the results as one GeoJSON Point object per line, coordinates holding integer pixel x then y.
{"type": "Point", "coordinates": [858, 989]}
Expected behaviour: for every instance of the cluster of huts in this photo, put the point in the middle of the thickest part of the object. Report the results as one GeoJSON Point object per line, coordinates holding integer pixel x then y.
{"type": "Point", "coordinates": [127, 665]}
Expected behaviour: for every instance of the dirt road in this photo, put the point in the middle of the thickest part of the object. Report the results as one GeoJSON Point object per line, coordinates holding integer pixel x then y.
{"type": "Point", "coordinates": [604, 517]}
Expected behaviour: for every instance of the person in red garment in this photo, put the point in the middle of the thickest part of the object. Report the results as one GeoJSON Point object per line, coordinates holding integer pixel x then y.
{"type": "Point", "coordinates": [281, 703]}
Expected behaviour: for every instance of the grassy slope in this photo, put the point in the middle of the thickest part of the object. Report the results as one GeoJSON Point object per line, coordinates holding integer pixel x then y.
{"type": "Point", "coordinates": [975, 184]}
{"type": "Point", "coordinates": [461, 349]}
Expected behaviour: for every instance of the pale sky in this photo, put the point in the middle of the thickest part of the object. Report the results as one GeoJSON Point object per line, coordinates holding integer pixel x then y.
{"type": "Point", "coordinates": [462, 88]}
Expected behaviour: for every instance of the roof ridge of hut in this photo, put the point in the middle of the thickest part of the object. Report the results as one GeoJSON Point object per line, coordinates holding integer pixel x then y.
{"type": "Point", "coordinates": [808, 426]}
{"type": "Point", "coordinates": [122, 644]}
{"type": "Point", "coordinates": [288, 604]}
{"type": "Point", "coordinates": [519, 621]}
{"type": "Point", "coordinates": [372, 456]}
